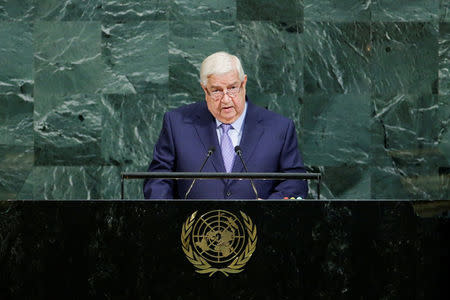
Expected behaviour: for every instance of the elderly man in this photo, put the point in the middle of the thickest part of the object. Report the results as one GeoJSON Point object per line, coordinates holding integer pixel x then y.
{"type": "Point", "coordinates": [225, 120]}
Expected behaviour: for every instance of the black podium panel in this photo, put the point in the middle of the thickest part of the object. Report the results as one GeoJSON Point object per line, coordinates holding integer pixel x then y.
{"type": "Point", "coordinates": [133, 250]}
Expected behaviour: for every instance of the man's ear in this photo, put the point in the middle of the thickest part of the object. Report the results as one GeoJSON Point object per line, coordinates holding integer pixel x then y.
{"type": "Point", "coordinates": [205, 90]}
{"type": "Point", "coordinates": [244, 81]}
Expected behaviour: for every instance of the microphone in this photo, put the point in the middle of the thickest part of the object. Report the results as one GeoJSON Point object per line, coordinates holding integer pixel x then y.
{"type": "Point", "coordinates": [210, 152]}
{"type": "Point", "coordinates": [238, 151]}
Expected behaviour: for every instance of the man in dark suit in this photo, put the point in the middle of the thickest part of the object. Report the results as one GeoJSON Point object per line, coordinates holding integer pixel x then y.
{"type": "Point", "coordinates": [226, 119]}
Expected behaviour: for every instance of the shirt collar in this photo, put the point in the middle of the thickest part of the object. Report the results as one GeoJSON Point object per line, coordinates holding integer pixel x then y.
{"type": "Point", "coordinates": [237, 125]}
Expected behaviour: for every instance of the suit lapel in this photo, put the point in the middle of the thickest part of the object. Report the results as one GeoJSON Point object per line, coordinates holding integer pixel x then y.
{"type": "Point", "coordinates": [253, 130]}
{"type": "Point", "coordinates": [206, 130]}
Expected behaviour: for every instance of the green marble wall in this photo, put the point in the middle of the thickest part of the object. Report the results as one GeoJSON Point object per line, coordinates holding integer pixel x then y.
{"type": "Point", "coordinates": [84, 85]}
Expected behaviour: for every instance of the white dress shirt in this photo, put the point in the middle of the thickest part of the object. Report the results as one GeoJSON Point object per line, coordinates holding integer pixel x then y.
{"type": "Point", "coordinates": [235, 132]}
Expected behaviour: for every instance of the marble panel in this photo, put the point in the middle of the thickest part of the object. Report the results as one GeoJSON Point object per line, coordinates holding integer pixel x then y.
{"type": "Point", "coordinates": [67, 130]}
{"type": "Point", "coordinates": [130, 128]}
{"type": "Point", "coordinates": [337, 10]}
{"type": "Point", "coordinates": [443, 119]}
{"type": "Point", "coordinates": [266, 10]}
{"type": "Point", "coordinates": [288, 106]}
{"type": "Point", "coordinates": [110, 183]}
{"type": "Point", "coordinates": [404, 10]}
{"type": "Point", "coordinates": [408, 135]}
{"type": "Point", "coordinates": [272, 56]}
{"type": "Point", "coordinates": [16, 58]}
{"type": "Point", "coordinates": [16, 163]}
{"type": "Point", "coordinates": [202, 10]}
{"type": "Point", "coordinates": [189, 44]}
{"type": "Point", "coordinates": [68, 10]}
{"type": "Point", "coordinates": [335, 130]}
{"type": "Point", "coordinates": [404, 58]}
{"type": "Point", "coordinates": [57, 58]}
{"type": "Point", "coordinates": [62, 183]}
{"type": "Point", "coordinates": [50, 10]}
{"type": "Point", "coordinates": [444, 58]}
{"type": "Point", "coordinates": [16, 120]}
{"type": "Point", "coordinates": [342, 182]}
{"type": "Point", "coordinates": [67, 58]}
{"type": "Point", "coordinates": [444, 10]}
{"type": "Point", "coordinates": [138, 51]}
{"type": "Point", "coordinates": [17, 11]}
{"type": "Point", "coordinates": [337, 57]}
{"type": "Point", "coordinates": [122, 11]}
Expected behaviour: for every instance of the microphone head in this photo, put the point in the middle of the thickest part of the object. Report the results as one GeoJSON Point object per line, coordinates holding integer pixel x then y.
{"type": "Point", "coordinates": [237, 149]}
{"type": "Point", "coordinates": [211, 150]}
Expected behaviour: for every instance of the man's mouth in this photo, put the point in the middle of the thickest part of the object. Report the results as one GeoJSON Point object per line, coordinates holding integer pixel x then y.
{"type": "Point", "coordinates": [227, 108]}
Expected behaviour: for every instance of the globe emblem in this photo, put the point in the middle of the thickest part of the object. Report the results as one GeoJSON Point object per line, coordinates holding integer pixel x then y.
{"type": "Point", "coordinates": [218, 236]}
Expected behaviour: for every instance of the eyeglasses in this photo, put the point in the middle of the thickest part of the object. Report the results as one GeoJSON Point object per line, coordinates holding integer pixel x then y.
{"type": "Point", "coordinates": [231, 92]}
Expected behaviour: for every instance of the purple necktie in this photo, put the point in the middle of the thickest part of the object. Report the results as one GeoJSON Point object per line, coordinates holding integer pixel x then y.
{"type": "Point", "coordinates": [227, 148]}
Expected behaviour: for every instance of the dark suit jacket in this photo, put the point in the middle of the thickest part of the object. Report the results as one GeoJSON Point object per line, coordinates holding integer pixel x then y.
{"type": "Point", "coordinates": [268, 143]}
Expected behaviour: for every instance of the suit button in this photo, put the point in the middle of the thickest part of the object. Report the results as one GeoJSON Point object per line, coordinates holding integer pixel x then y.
{"type": "Point", "coordinates": [228, 194]}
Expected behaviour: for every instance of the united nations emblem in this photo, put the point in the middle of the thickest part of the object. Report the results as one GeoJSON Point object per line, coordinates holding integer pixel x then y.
{"type": "Point", "coordinates": [218, 241]}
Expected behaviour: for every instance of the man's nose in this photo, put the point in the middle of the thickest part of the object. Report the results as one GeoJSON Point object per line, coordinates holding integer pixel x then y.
{"type": "Point", "coordinates": [226, 97]}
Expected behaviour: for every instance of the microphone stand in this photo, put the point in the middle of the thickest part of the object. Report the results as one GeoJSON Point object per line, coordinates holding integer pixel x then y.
{"type": "Point", "coordinates": [238, 151]}
{"type": "Point", "coordinates": [210, 152]}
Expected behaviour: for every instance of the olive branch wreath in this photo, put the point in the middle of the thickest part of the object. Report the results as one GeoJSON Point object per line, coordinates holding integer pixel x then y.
{"type": "Point", "coordinates": [203, 267]}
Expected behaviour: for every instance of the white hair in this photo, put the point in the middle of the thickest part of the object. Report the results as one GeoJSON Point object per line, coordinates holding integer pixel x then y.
{"type": "Point", "coordinates": [220, 63]}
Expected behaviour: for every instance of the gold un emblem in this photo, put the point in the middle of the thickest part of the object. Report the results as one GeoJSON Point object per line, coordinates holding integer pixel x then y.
{"type": "Point", "coordinates": [218, 241]}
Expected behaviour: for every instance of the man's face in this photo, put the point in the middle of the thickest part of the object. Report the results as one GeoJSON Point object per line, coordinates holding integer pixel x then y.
{"type": "Point", "coordinates": [225, 109]}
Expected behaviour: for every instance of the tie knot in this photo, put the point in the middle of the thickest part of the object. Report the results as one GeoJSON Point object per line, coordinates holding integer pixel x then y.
{"type": "Point", "coordinates": [225, 127]}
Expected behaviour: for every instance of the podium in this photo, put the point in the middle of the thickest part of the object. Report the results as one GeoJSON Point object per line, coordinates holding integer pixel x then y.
{"type": "Point", "coordinates": [308, 248]}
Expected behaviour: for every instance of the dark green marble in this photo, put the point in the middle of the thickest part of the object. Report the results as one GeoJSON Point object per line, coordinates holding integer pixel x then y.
{"type": "Point", "coordinates": [62, 182]}
{"type": "Point", "coordinates": [288, 106]}
{"type": "Point", "coordinates": [202, 9]}
{"type": "Point", "coordinates": [50, 10]}
{"type": "Point", "coordinates": [405, 10]}
{"type": "Point", "coordinates": [404, 58]}
{"type": "Point", "coordinates": [444, 133]}
{"type": "Point", "coordinates": [335, 130]}
{"type": "Point", "coordinates": [67, 58]}
{"type": "Point", "coordinates": [126, 122]}
{"type": "Point", "coordinates": [259, 43]}
{"type": "Point", "coordinates": [16, 163]}
{"type": "Point", "coordinates": [16, 58]}
{"type": "Point", "coordinates": [67, 10]}
{"type": "Point", "coordinates": [410, 154]}
{"type": "Point", "coordinates": [347, 181]}
{"type": "Point", "coordinates": [67, 130]}
{"type": "Point", "coordinates": [17, 10]}
{"type": "Point", "coordinates": [337, 10]}
{"type": "Point", "coordinates": [126, 141]}
{"type": "Point", "coordinates": [266, 10]}
{"type": "Point", "coordinates": [121, 11]}
{"type": "Point", "coordinates": [408, 135]}
{"type": "Point", "coordinates": [372, 11]}
{"type": "Point", "coordinates": [84, 85]}
{"type": "Point", "coordinates": [16, 120]}
{"type": "Point", "coordinates": [137, 52]}
{"type": "Point", "coordinates": [337, 57]}
{"type": "Point", "coordinates": [444, 58]}
{"type": "Point", "coordinates": [444, 10]}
